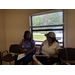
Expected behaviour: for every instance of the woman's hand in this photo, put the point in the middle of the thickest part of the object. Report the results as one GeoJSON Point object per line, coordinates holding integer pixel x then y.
{"type": "Point", "coordinates": [56, 51]}
{"type": "Point", "coordinates": [37, 53]}
{"type": "Point", "coordinates": [26, 51]}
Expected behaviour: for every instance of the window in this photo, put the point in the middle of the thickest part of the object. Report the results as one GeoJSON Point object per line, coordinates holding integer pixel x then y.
{"type": "Point", "coordinates": [46, 22]}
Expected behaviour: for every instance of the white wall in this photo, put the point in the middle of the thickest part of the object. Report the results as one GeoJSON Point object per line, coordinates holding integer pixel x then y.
{"type": "Point", "coordinates": [2, 32]}
{"type": "Point", "coordinates": [70, 28]}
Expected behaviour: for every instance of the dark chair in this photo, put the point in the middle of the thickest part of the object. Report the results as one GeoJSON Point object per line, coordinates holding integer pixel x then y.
{"type": "Point", "coordinates": [14, 48]}
{"type": "Point", "coordinates": [67, 56]}
{"type": "Point", "coordinates": [0, 59]}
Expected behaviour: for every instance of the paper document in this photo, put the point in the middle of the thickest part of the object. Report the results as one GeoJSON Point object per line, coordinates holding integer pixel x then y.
{"type": "Point", "coordinates": [41, 55]}
{"type": "Point", "coordinates": [20, 56]}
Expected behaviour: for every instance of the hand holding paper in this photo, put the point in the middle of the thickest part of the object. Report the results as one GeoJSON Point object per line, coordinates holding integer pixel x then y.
{"type": "Point", "coordinates": [20, 56]}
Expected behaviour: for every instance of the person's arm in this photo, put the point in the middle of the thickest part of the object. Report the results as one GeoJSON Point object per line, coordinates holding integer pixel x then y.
{"type": "Point", "coordinates": [39, 49]}
{"type": "Point", "coordinates": [22, 49]}
{"type": "Point", "coordinates": [32, 49]}
{"type": "Point", "coordinates": [56, 54]}
{"type": "Point", "coordinates": [53, 55]}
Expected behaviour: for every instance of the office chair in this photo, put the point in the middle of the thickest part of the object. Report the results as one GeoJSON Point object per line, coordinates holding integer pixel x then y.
{"type": "Point", "coordinates": [67, 56]}
{"type": "Point", "coordinates": [14, 48]}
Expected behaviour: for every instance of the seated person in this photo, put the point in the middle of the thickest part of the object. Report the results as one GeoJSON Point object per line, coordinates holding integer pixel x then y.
{"type": "Point", "coordinates": [27, 46]}
{"type": "Point", "coordinates": [49, 47]}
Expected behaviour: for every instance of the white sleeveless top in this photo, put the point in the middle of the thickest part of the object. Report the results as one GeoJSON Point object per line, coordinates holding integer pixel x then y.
{"type": "Point", "coordinates": [46, 49]}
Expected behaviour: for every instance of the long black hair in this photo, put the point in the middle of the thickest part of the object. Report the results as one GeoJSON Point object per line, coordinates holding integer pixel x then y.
{"type": "Point", "coordinates": [54, 39]}
{"type": "Point", "coordinates": [25, 34]}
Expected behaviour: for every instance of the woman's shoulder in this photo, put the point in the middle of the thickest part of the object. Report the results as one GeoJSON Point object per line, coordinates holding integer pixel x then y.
{"type": "Point", "coordinates": [32, 41]}
{"type": "Point", "coordinates": [56, 43]}
{"type": "Point", "coordinates": [45, 41]}
{"type": "Point", "coordinates": [23, 39]}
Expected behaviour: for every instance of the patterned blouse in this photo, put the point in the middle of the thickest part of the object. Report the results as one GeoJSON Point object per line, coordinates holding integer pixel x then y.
{"type": "Point", "coordinates": [27, 46]}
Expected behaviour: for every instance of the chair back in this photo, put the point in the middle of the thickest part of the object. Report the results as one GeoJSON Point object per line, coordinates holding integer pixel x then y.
{"type": "Point", "coordinates": [71, 53]}
{"type": "Point", "coordinates": [62, 54]}
{"type": "Point", "coordinates": [14, 48]}
{"type": "Point", "coordinates": [67, 53]}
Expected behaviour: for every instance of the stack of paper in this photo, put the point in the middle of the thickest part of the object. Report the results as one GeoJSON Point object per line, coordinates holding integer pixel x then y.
{"type": "Point", "coordinates": [20, 56]}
